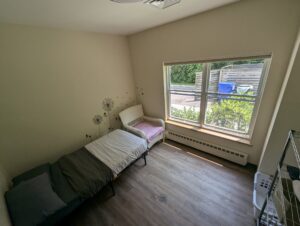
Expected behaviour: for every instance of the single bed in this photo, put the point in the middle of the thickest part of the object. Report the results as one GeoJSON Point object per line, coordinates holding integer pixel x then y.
{"type": "Point", "coordinates": [74, 178]}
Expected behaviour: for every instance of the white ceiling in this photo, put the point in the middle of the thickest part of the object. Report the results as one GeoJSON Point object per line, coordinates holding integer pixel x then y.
{"type": "Point", "coordinates": [99, 15]}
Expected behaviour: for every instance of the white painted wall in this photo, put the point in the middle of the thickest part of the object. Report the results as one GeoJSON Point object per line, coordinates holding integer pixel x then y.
{"type": "Point", "coordinates": [249, 27]}
{"type": "Point", "coordinates": [52, 83]}
{"type": "Point", "coordinates": [286, 115]}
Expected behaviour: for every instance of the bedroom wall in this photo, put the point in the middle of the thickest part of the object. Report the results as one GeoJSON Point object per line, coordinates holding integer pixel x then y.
{"type": "Point", "coordinates": [245, 28]}
{"type": "Point", "coordinates": [286, 116]}
{"type": "Point", "coordinates": [52, 83]}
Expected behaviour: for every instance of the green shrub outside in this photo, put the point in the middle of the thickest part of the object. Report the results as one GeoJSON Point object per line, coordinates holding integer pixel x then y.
{"type": "Point", "coordinates": [226, 113]}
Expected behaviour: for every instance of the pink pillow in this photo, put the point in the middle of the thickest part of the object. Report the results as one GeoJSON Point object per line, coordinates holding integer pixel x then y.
{"type": "Point", "coordinates": [150, 129]}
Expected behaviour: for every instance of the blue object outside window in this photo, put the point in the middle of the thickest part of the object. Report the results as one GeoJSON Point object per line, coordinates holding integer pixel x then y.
{"type": "Point", "coordinates": [226, 87]}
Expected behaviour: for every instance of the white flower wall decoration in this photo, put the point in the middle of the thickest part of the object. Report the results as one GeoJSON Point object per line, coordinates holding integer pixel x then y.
{"type": "Point", "coordinates": [97, 119]}
{"type": "Point", "coordinates": [108, 105]}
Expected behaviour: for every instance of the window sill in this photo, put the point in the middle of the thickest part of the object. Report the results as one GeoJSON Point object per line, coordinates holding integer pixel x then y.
{"type": "Point", "coordinates": [210, 132]}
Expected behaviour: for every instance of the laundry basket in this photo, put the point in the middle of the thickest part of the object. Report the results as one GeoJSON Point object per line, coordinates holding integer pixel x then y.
{"type": "Point", "coordinates": [262, 183]}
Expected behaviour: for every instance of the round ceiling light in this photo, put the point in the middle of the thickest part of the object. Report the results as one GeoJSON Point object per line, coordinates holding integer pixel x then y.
{"type": "Point", "coordinates": [126, 1]}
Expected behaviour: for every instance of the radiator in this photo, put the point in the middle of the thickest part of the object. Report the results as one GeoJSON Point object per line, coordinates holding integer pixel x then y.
{"type": "Point", "coordinates": [231, 155]}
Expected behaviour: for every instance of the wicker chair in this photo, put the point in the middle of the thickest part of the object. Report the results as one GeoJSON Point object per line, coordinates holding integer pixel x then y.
{"type": "Point", "coordinates": [134, 121]}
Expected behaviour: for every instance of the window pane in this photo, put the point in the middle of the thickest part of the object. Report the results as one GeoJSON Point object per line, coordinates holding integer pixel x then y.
{"type": "Point", "coordinates": [236, 77]}
{"type": "Point", "coordinates": [185, 90]}
{"type": "Point", "coordinates": [186, 77]}
{"type": "Point", "coordinates": [185, 107]}
{"type": "Point", "coordinates": [232, 113]}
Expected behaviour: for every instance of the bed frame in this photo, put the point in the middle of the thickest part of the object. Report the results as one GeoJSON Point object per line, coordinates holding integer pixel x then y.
{"type": "Point", "coordinates": [145, 163]}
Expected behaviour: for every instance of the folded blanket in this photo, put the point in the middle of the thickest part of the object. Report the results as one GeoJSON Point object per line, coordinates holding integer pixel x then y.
{"type": "Point", "coordinates": [86, 174]}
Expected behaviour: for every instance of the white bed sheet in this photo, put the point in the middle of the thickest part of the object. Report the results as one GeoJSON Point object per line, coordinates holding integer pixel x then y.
{"type": "Point", "coordinates": [117, 149]}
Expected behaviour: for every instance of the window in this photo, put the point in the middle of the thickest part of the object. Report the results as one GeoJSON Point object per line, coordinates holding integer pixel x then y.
{"type": "Point", "coordinates": [217, 95]}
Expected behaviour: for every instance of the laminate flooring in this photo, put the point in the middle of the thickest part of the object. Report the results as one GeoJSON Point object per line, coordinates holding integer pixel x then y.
{"type": "Point", "coordinates": [178, 186]}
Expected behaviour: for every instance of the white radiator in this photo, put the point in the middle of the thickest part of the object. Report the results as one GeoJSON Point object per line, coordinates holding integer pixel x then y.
{"type": "Point", "coordinates": [231, 155]}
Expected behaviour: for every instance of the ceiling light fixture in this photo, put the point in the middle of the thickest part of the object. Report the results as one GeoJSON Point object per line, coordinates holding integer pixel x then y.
{"type": "Point", "coordinates": [162, 4]}
{"type": "Point", "coordinates": [126, 1]}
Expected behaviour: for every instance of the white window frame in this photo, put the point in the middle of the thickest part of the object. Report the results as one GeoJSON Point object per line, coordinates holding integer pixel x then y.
{"type": "Point", "coordinates": [204, 93]}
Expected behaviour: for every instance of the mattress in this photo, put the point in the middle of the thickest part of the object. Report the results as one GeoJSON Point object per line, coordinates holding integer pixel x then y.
{"type": "Point", "coordinates": [117, 149]}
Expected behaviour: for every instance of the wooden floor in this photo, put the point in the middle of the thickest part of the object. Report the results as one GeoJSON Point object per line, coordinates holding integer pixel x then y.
{"type": "Point", "coordinates": [179, 186]}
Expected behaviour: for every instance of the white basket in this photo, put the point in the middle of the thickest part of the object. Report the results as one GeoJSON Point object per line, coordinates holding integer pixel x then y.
{"type": "Point", "coordinates": [262, 183]}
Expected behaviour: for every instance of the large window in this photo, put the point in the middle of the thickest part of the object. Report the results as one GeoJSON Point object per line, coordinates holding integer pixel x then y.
{"type": "Point", "coordinates": [218, 95]}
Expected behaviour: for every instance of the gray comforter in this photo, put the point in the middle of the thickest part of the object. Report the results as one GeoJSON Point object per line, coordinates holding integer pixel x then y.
{"type": "Point", "coordinates": [85, 173]}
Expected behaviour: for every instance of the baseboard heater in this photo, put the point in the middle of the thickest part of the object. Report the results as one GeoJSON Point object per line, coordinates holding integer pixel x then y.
{"type": "Point", "coordinates": [231, 155]}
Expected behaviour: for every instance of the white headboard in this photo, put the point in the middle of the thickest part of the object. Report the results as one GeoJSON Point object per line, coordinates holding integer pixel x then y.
{"type": "Point", "coordinates": [4, 184]}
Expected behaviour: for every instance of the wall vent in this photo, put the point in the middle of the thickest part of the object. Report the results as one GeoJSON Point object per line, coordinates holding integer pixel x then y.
{"type": "Point", "coordinates": [234, 156]}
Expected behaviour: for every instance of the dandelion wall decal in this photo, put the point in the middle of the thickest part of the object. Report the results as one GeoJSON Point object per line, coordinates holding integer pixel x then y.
{"type": "Point", "coordinates": [108, 104]}
{"type": "Point", "coordinates": [97, 119]}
